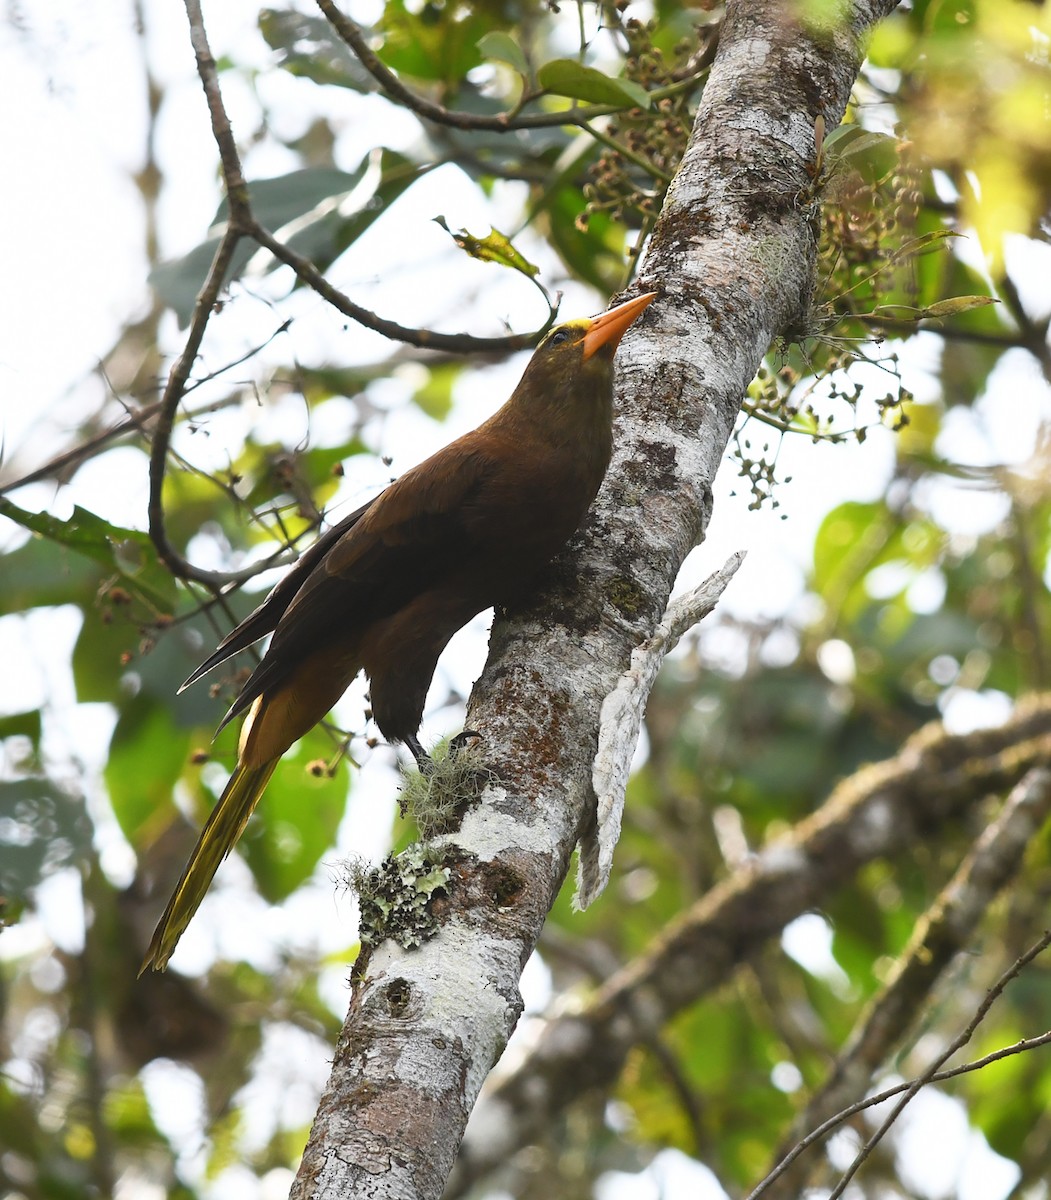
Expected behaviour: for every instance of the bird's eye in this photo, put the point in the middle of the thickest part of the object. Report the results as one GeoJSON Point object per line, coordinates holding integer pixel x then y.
{"type": "Point", "coordinates": [557, 338]}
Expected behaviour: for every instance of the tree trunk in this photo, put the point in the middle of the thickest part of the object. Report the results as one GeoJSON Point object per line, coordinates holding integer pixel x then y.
{"type": "Point", "coordinates": [732, 255]}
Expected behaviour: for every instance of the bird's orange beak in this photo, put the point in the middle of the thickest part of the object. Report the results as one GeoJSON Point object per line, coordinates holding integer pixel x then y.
{"type": "Point", "coordinates": [610, 327]}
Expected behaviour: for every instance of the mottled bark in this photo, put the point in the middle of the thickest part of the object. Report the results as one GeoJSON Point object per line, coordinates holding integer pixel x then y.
{"type": "Point", "coordinates": [733, 256]}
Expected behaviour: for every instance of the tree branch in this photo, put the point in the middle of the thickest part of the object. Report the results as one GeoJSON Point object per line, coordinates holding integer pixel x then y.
{"type": "Point", "coordinates": [429, 339]}
{"type": "Point", "coordinates": [877, 813]}
{"type": "Point", "coordinates": [997, 855]}
{"type": "Point", "coordinates": [945, 930]}
{"type": "Point", "coordinates": [1023, 1046]}
{"type": "Point", "coordinates": [506, 122]}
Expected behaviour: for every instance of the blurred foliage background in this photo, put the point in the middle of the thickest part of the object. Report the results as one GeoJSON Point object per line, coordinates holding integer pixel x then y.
{"type": "Point", "coordinates": [924, 595]}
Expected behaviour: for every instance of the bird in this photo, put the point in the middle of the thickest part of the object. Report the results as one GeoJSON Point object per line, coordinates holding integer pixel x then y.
{"type": "Point", "coordinates": [385, 589]}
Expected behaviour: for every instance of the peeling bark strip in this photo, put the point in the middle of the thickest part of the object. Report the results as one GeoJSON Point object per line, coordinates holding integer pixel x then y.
{"type": "Point", "coordinates": [733, 255]}
{"type": "Point", "coordinates": [620, 722]}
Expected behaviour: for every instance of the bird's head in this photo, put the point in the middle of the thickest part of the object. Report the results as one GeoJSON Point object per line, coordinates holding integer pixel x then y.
{"type": "Point", "coordinates": [580, 340]}
{"type": "Point", "coordinates": [576, 357]}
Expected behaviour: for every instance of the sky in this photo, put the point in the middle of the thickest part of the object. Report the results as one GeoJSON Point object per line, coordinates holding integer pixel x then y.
{"type": "Point", "coordinates": [75, 268]}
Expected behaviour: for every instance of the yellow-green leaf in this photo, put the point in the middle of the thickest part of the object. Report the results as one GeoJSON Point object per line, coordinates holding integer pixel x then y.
{"type": "Point", "coordinates": [494, 247]}
{"type": "Point", "coordinates": [958, 304]}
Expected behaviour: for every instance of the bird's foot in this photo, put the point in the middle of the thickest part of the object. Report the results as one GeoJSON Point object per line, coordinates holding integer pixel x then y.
{"type": "Point", "coordinates": [424, 762]}
{"type": "Point", "coordinates": [461, 740]}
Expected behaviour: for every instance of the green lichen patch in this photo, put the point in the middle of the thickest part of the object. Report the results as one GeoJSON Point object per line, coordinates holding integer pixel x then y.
{"type": "Point", "coordinates": [396, 897]}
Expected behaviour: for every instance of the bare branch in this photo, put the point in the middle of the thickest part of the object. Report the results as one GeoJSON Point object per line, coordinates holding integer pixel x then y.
{"type": "Point", "coordinates": [1023, 1046]}
{"type": "Point", "coordinates": [939, 937]}
{"type": "Point", "coordinates": [879, 812]}
{"type": "Point", "coordinates": [456, 343]}
{"type": "Point", "coordinates": [505, 122]}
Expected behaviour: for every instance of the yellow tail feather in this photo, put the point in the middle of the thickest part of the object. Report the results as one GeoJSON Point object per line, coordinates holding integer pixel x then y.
{"type": "Point", "coordinates": [224, 827]}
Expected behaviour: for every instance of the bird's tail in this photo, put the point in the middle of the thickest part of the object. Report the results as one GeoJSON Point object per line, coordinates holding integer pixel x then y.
{"type": "Point", "coordinates": [224, 827]}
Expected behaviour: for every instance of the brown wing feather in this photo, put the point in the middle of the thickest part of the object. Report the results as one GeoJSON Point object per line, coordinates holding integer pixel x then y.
{"type": "Point", "coordinates": [412, 535]}
{"type": "Point", "coordinates": [264, 619]}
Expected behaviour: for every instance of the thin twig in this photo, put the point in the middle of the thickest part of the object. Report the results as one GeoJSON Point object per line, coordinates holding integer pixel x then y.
{"type": "Point", "coordinates": [940, 935]}
{"type": "Point", "coordinates": [457, 343]}
{"type": "Point", "coordinates": [504, 122]}
{"type": "Point", "coordinates": [173, 394]}
{"type": "Point", "coordinates": [909, 1088]}
{"type": "Point", "coordinates": [1022, 1046]}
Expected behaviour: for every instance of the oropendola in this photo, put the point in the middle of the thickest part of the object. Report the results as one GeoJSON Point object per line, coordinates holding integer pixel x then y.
{"type": "Point", "coordinates": [385, 589]}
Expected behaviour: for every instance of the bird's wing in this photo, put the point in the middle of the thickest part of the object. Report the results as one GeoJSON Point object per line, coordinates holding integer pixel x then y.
{"type": "Point", "coordinates": [413, 535]}
{"type": "Point", "coordinates": [264, 619]}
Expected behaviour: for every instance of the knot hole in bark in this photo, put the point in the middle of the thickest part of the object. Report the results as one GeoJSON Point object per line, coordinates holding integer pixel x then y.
{"type": "Point", "coordinates": [398, 994]}
{"type": "Point", "coordinates": [503, 884]}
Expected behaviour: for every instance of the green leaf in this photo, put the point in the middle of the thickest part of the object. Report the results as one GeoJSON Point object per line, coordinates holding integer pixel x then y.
{"type": "Point", "coordinates": [494, 247]}
{"type": "Point", "coordinates": [565, 77]}
{"type": "Point", "coordinates": [41, 573]}
{"type": "Point", "coordinates": [439, 43]}
{"type": "Point", "coordinates": [957, 304]}
{"type": "Point", "coordinates": [435, 397]}
{"type": "Point", "coordinates": [925, 243]}
{"type": "Point", "coordinates": [847, 140]}
{"type": "Point", "coordinates": [128, 553]}
{"type": "Point", "coordinates": [23, 724]}
{"type": "Point", "coordinates": [308, 47]}
{"type": "Point", "coordinates": [178, 281]}
{"type": "Point", "coordinates": [279, 201]}
{"type": "Point", "coordinates": [502, 47]}
{"type": "Point", "coordinates": [298, 818]}
{"type": "Point", "coordinates": [307, 209]}
{"type": "Point", "coordinates": [148, 753]}
{"type": "Point", "coordinates": [873, 156]}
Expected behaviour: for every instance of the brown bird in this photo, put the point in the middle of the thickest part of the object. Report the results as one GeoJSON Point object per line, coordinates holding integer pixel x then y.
{"type": "Point", "coordinates": [385, 589]}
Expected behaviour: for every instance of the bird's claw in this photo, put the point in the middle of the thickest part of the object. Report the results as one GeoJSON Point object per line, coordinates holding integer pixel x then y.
{"type": "Point", "coordinates": [424, 762]}
{"type": "Point", "coordinates": [459, 742]}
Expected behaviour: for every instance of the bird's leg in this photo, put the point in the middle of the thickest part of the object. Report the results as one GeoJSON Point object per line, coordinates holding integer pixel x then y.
{"type": "Point", "coordinates": [424, 763]}
{"type": "Point", "coordinates": [459, 742]}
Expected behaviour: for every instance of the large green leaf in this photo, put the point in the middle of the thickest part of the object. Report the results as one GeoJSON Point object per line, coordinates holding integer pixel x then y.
{"type": "Point", "coordinates": [297, 818]}
{"type": "Point", "coordinates": [128, 553]}
{"type": "Point", "coordinates": [304, 196]}
{"type": "Point", "coordinates": [306, 209]}
{"type": "Point", "coordinates": [42, 573]}
{"type": "Point", "coordinates": [148, 752]}
{"type": "Point", "coordinates": [307, 46]}
{"type": "Point", "coordinates": [438, 42]}
{"type": "Point", "coordinates": [567, 77]}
